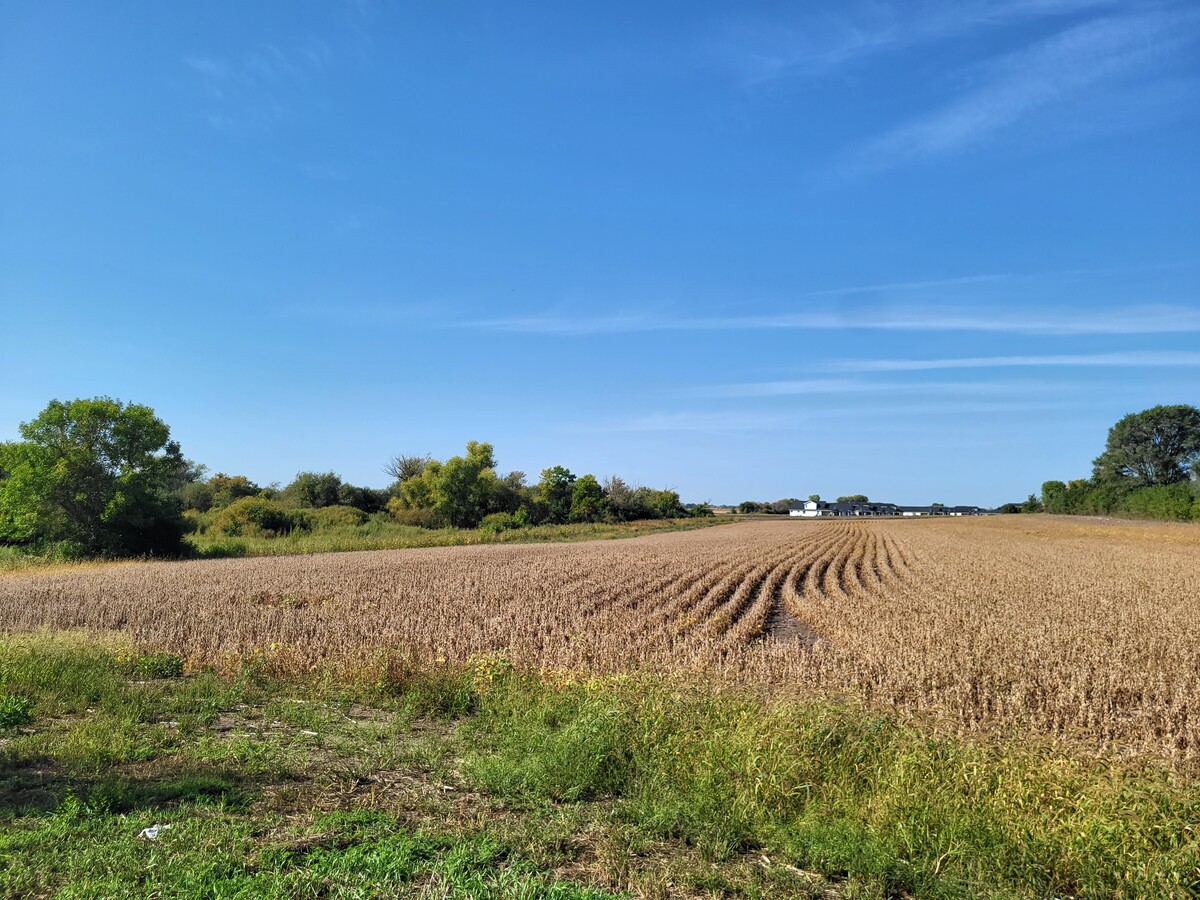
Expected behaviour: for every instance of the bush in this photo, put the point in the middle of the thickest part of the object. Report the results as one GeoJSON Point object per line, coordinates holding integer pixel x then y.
{"type": "Point", "coordinates": [1163, 501]}
{"type": "Point", "coordinates": [253, 516]}
{"type": "Point", "coordinates": [225, 549]}
{"type": "Point", "coordinates": [1104, 497]}
{"type": "Point", "coordinates": [330, 517]}
{"type": "Point", "coordinates": [421, 518]}
{"type": "Point", "coordinates": [497, 522]}
{"type": "Point", "coordinates": [194, 521]}
{"type": "Point", "coordinates": [15, 710]}
{"type": "Point", "coordinates": [61, 551]}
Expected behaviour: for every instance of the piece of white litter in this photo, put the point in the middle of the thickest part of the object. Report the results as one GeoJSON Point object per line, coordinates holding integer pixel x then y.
{"type": "Point", "coordinates": [309, 733]}
{"type": "Point", "coordinates": [152, 833]}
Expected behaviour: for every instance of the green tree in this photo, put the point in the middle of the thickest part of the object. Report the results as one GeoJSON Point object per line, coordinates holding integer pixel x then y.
{"type": "Point", "coordinates": [554, 493]}
{"type": "Point", "coordinates": [458, 492]}
{"type": "Point", "coordinates": [657, 504]}
{"type": "Point", "coordinates": [365, 499]}
{"type": "Point", "coordinates": [853, 498]}
{"type": "Point", "coordinates": [587, 500]}
{"type": "Point", "coordinates": [1054, 497]}
{"type": "Point", "coordinates": [97, 473]}
{"type": "Point", "coordinates": [217, 492]}
{"type": "Point", "coordinates": [1160, 501]}
{"type": "Point", "coordinates": [1155, 446]}
{"type": "Point", "coordinates": [227, 488]}
{"type": "Point", "coordinates": [402, 468]}
{"type": "Point", "coordinates": [416, 492]}
{"type": "Point", "coordinates": [510, 494]}
{"type": "Point", "coordinates": [463, 486]}
{"type": "Point", "coordinates": [313, 490]}
{"type": "Point", "coordinates": [620, 498]}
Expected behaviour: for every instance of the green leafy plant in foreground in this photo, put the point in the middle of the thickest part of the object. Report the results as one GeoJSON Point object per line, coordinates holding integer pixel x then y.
{"type": "Point", "coordinates": [160, 665]}
{"type": "Point", "coordinates": [15, 710]}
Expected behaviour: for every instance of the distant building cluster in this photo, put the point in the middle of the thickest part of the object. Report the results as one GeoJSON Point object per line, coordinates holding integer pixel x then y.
{"type": "Point", "coordinates": [813, 509]}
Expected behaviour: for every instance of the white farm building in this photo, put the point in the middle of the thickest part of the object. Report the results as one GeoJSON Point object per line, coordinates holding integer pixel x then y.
{"type": "Point", "coordinates": [815, 509]}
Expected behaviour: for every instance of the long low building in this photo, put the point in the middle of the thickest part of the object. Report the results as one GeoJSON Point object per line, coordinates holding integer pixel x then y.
{"type": "Point", "coordinates": [813, 509]}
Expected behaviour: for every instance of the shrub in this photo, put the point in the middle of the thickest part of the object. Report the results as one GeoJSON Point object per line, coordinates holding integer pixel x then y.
{"type": "Point", "coordinates": [422, 518]}
{"type": "Point", "coordinates": [62, 551]}
{"type": "Point", "coordinates": [1161, 501]}
{"type": "Point", "coordinates": [330, 517]}
{"type": "Point", "coordinates": [1104, 497]}
{"type": "Point", "coordinates": [224, 549]}
{"type": "Point", "coordinates": [251, 516]}
{"type": "Point", "coordinates": [194, 521]}
{"type": "Point", "coordinates": [497, 522]}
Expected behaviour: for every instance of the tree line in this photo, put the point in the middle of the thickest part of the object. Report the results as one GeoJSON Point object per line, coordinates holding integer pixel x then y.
{"type": "Point", "coordinates": [1150, 468]}
{"type": "Point", "coordinates": [102, 477]}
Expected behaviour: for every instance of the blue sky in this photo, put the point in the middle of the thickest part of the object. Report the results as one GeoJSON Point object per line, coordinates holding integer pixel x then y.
{"type": "Point", "coordinates": [922, 251]}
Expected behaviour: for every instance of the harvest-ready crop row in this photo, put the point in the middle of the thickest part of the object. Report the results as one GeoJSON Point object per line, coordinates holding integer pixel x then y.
{"type": "Point", "coordinates": [1082, 630]}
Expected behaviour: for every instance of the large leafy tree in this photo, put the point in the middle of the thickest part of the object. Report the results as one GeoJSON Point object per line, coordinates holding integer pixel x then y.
{"type": "Point", "coordinates": [312, 490]}
{"type": "Point", "coordinates": [98, 473]}
{"type": "Point", "coordinates": [554, 492]}
{"type": "Point", "coordinates": [459, 491]}
{"type": "Point", "coordinates": [587, 500]}
{"type": "Point", "coordinates": [1155, 446]}
{"type": "Point", "coordinates": [463, 485]}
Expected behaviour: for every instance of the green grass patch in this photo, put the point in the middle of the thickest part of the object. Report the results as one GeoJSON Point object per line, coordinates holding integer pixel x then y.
{"type": "Point", "coordinates": [485, 782]}
{"type": "Point", "coordinates": [841, 791]}
{"type": "Point", "coordinates": [373, 534]}
{"type": "Point", "coordinates": [377, 535]}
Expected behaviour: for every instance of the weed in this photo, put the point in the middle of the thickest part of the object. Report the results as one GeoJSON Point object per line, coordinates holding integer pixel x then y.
{"type": "Point", "coordinates": [160, 665]}
{"type": "Point", "coordinates": [15, 710]}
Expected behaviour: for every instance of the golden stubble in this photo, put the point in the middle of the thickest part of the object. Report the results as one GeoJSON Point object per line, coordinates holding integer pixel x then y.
{"type": "Point", "coordinates": [1081, 629]}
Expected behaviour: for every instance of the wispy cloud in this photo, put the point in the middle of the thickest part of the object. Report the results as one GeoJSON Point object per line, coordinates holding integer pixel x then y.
{"type": "Point", "coordinates": [895, 286]}
{"type": "Point", "coordinates": [1134, 358]}
{"type": "Point", "coordinates": [1104, 52]}
{"type": "Point", "coordinates": [255, 89]}
{"type": "Point", "coordinates": [820, 43]}
{"type": "Point", "coordinates": [709, 422]}
{"type": "Point", "coordinates": [846, 386]}
{"type": "Point", "coordinates": [1158, 319]}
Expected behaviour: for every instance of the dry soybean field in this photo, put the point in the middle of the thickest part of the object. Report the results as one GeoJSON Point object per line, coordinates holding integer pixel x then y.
{"type": "Point", "coordinates": [1082, 629]}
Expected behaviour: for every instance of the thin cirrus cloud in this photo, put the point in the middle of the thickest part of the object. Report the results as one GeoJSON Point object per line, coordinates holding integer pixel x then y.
{"type": "Point", "coordinates": [252, 91]}
{"type": "Point", "coordinates": [1158, 319]}
{"type": "Point", "coordinates": [855, 32]}
{"type": "Point", "coordinates": [1073, 64]}
{"type": "Point", "coordinates": [739, 422]}
{"type": "Point", "coordinates": [1127, 359]}
{"type": "Point", "coordinates": [707, 422]}
{"type": "Point", "coordinates": [845, 386]}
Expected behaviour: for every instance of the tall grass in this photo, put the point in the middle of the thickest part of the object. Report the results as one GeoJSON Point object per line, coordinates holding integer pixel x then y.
{"type": "Point", "coordinates": [378, 535]}
{"type": "Point", "coordinates": [836, 789]}
{"type": "Point", "coordinates": [868, 805]}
